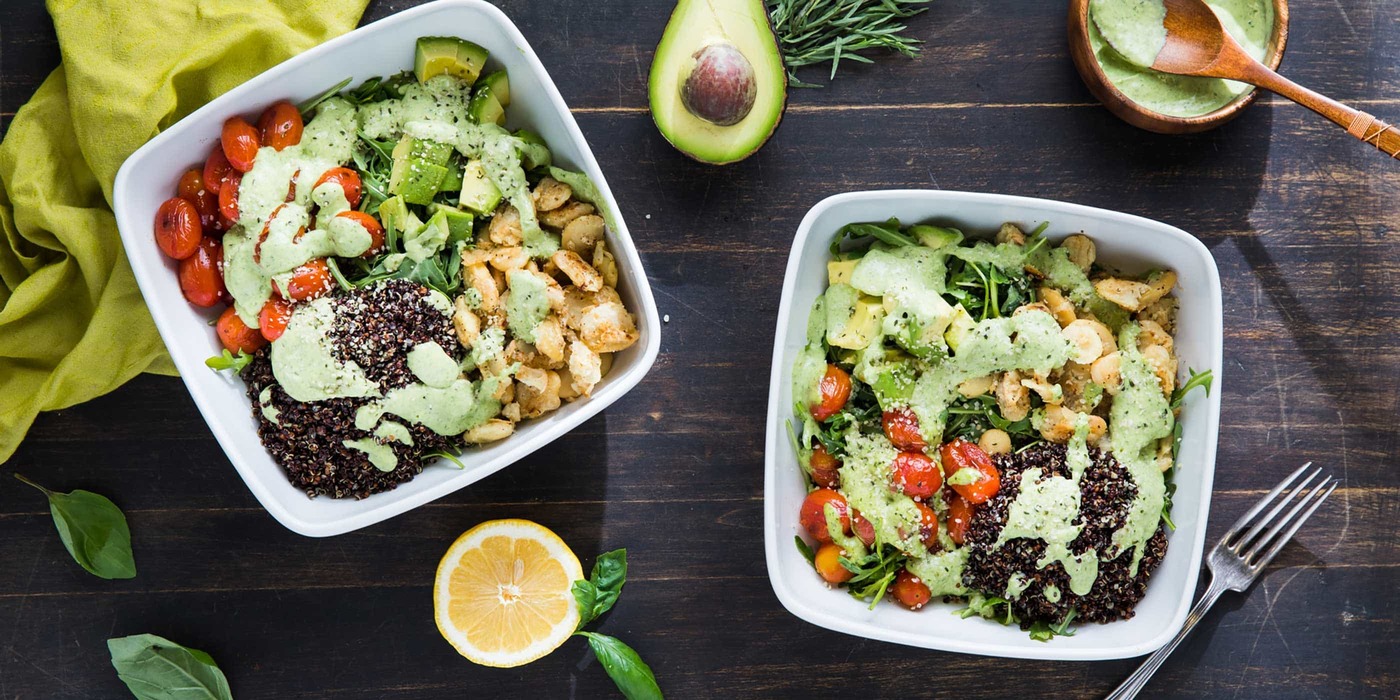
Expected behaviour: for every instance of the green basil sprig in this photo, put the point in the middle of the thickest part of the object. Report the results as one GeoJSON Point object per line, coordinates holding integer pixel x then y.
{"type": "Point", "coordinates": [93, 530]}
{"type": "Point", "coordinates": [155, 668]}
{"type": "Point", "coordinates": [595, 597]}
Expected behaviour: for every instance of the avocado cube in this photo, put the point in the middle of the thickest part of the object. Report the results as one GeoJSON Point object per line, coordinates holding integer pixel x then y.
{"type": "Point", "coordinates": [459, 223]}
{"type": "Point", "coordinates": [484, 108]}
{"type": "Point", "coordinates": [839, 271]}
{"type": "Point", "coordinates": [479, 193]}
{"type": "Point", "coordinates": [426, 240]}
{"type": "Point", "coordinates": [935, 236]}
{"type": "Point", "coordinates": [421, 182]}
{"type": "Point", "coordinates": [852, 319]}
{"type": "Point", "coordinates": [499, 84]}
{"type": "Point", "coordinates": [961, 327]}
{"type": "Point", "coordinates": [393, 213]}
{"type": "Point", "coordinates": [448, 55]}
{"type": "Point", "coordinates": [453, 181]}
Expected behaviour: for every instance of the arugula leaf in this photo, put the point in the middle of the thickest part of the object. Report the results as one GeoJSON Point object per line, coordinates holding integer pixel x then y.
{"type": "Point", "coordinates": [1204, 380]}
{"type": "Point", "coordinates": [155, 668]}
{"type": "Point", "coordinates": [93, 530]}
{"type": "Point", "coordinates": [632, 676]}
{"type": "Point", "coordinates": [227, 361]}
{"type": "Point", "coordinates": [309, 106]}
{"type": "Point", "coordinates": [1198, 379]}
{"type": "Point", "coordinates": [1042, 631]}
{"type": "Point", "coordinates": [806, 550]}
{"type": "Point", "coordinates": [598, 594]}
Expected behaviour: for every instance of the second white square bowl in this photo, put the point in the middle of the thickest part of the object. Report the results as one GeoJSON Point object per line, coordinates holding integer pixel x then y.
{"type": "Point", "coordinates": [385, 47]}
{"type": "Point", "coordinates": [1125, 242]}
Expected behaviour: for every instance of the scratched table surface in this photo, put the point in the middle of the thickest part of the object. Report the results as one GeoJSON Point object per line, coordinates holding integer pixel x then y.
{"type": "Point", "coordinates": [1302, 222]}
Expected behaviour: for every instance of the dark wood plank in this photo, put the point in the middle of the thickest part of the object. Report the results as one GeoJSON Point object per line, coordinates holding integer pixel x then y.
{"type": "Point", "coordinates": [1300, 220]}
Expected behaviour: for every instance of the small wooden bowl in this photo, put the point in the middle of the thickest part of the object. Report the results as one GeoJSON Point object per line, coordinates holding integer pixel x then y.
{"type": "Point", "coordinates": [1137, 115]}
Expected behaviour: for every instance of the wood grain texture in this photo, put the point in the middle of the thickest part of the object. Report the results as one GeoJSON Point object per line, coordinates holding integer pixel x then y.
{"type": "Point", "coordinates": [1301, 221]}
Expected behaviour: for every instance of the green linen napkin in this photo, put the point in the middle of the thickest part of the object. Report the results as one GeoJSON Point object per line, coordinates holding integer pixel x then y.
{"type": "Point", "coordinates": [73, 325]}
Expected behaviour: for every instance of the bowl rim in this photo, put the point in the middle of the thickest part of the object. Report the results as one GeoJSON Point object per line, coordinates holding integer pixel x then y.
{"type": "Point", "coordinates": [776, 440]}
{"type": "Point", "coordinates": [1130, 111]}
{"type": "Point", "coordinates": [397, 501]}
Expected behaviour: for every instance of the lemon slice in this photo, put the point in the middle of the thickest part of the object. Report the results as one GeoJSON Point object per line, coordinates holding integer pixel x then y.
{"type": "Point", "coordinates": [502, 593]}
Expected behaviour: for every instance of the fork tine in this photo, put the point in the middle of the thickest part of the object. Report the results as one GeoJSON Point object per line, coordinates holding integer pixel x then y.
{"type": "Point", "coordinates": [1271, 517]}
{"type": "Point", "coordinates": [1254, 510]}
{"type": "Point", "coordinates": [1262, 560]}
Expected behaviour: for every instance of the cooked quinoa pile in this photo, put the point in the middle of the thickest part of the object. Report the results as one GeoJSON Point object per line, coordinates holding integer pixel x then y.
{"type": "Point", "coordinates": [375, 327]}
{"type": "Point", "coordinates": [1106, 491]}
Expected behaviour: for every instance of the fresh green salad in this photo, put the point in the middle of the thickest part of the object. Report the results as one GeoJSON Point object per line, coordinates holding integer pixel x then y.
{"type": "Point", "coordinates": [990, 421]}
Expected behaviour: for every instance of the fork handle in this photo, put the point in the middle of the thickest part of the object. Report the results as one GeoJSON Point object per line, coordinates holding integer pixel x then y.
{"type": "Point", "coordinates": [1134, 684]}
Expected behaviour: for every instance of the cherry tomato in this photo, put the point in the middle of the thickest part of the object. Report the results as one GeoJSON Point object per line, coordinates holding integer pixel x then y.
{"type": "Point", "coordinates": [959, 516]}
{"type": "Point", "coordinates": [178, 230]}
{"type": "Point", "coordinates": [228, 197]}
{"type": "Point", "coordinates": [272, 321]}
{"type": "Point", "coordinates": [372, 225]}
{"type": "Point", "coordinates": [216, 170]}
{"type": "Point", "coordinates": [862, 527]}
{"type": "Point", "coordinates": [835, 390]}
{"type": "Point", "coordinates": [349, 182]}
{"type": "Point", "coordinates": [192, 190]}
{"type": "Point", "coordinates": [828, 563]}
{"type": "Point", "coordinates": [902, 428]}
{"type": "Point", "coordinates": [910, 591]}
{"type": "Point", "coordinates": [916, 474]}
{"type": "Point", "coordinates": [813, 513]}
{"type": "Point", "coordinates": [280, 125]}
{"type": "Point", "coordinates": [292, 187]}
{"type": "Point", "coordinates": [961, 454]}
{"type": "Point", "coordinates": [236, 335]}
{"type": "Point", "coordinates": [241, 143]}
{"type": "Point", "coordinates": [201, 276]}
{"type": "Point", "coordinates": [928, 525]}
{"type": "Point", "coordinates": [309, 281]}
{"type": "Point", "coordinates": [824, 468]}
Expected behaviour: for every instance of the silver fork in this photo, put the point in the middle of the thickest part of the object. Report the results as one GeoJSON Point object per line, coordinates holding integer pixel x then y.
{"type": "Point", "coordinates": [1241, 555]}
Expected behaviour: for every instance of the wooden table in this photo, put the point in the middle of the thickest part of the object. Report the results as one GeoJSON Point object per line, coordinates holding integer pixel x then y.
{"type": "Point", "coordinates": [1301, 219]}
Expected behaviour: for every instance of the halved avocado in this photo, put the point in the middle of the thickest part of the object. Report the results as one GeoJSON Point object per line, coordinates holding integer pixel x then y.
{"type": "Point", "coordinates": [717, 87]}
{"type": "Point", "coordinates": [439, 55]}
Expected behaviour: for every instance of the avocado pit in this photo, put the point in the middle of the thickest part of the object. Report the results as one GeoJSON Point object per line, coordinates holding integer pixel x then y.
{"type": "Point", "coordinates": [721, 86]}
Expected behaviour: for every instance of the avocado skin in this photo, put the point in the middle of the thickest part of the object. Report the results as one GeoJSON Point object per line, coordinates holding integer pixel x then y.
{"type": "Point", "coordinates": [672, 52]}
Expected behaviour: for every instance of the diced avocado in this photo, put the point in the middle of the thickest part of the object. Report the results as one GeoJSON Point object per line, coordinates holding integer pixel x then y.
{"type": "Point", "coordinates": [935, 236]}
{"type": "Point", "coordinates": [419, 169]}
{"type": "Point", "coordinates": [428, 239]}
{"type": "Point", "coordinates": [459, 223]}
{"type": "Point", "coordinates": [529, 137]}
{"type": "Point", "coordinates": [393, 213]}
{"type": "Point", "coordinates": [479, 194]}
{"type": "Point", "coordinates": [484, 108]}
{"type": "Point", "coordinates": [448, 55]}
{"type": "Point", "coordinates": [961, 326]}
{"type": "Point", "coordinates": [852, 319]}
{"type": "Point", "coordinates": [453, 181]}
{"type": "Point", "coordinates": [717, 100]}
{"type": "Point", "coordinates": [499, 85]}
{"type": "Point", "coordinates": [839, 271]}
{"type": "Point", "coordinates": [534, 155]}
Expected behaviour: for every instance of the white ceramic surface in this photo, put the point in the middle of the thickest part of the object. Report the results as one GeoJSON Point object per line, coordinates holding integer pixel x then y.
{"type": "Point", "coordinates": [1125, 242]}
{"type": "Point", "coordinates": [148, 177]}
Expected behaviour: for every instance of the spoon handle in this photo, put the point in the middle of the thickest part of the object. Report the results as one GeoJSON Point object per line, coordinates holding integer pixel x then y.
{"type": "Point", "coordinates": [1362, 125]}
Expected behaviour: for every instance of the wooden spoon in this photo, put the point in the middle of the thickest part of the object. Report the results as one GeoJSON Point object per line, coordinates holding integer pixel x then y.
{"type": "Point", "coordinates": [1198, 45]}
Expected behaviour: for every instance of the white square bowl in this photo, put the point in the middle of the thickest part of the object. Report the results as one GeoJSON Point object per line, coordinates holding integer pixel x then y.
{"type": "Point", "coordinates": [1129, 243]}
{"type": "Point", "coordinates": [148, 178]}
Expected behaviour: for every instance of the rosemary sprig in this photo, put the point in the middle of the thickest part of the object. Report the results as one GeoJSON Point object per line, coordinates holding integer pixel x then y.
{"type": "Point", "coordinates": [816, 31]}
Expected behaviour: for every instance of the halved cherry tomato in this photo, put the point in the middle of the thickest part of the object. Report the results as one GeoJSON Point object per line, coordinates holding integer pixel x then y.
{"type": "Point", "coordinates": [216, 170]}
{"type": "Point", "coordinates": [928, 525]}
{"type": "Point", "coordinates": [862, 527]}
{"type": "Point", "coordinates": [201, 276]}
{"type": "Point", "coordinates": [192, 190]}
{"type": "Point", "coordinates": [178, 230]}
{"type": "Point", "coordinates": [813, 513]}
{"type": "Point", "coordinates": [349, 182]}
{"type": "Point", "coordinates": [910, 591]}
{"type": "Point", "coordinates": [309, 281]}
{"type": "Point", "coordinates": [828, 563]}
{"type": "Point", "coordinates": [959, 516]}
{"type": "Point", "coordinates": [241, 143]}
{"type": "Point", "coordinates": [835, 390]}
{"type": "Point", "coordinates": [272, 321]}
{"type": "Point", "coordinates": [824, 467]}
{"type": "Point", "coordinates": [961, 454]}
{"type": "Point", "coordinates": [236, 335]}
{"type": "Point", "coordinates": [372, 225]}
{"type": "Point", "coordinates": [902, 428]}
{"type": "Point", "coordinates": [280, 125]}
{"type": "Point", "coordinates": [228, 196]}
{"type": "Point", "coordinates": [916, 474]}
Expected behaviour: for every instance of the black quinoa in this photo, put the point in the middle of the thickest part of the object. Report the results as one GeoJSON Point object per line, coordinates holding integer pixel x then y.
{"type": "Point", "coordinates": [375, 327]}
{"type": "Point", "coordinates": [1107, 491]}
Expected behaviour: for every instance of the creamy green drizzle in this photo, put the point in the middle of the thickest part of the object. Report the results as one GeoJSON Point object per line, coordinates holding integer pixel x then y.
{"type": "Point", "coordinates": [304, 362]}
{"type": "Point", "coordinates": [526, 305]}
{"type": "Point", "coordinates": [1139, 417]}
{"type": "Point", "coordinates": [432, 365]}
{"type": "Point", "coordinates": [269, 412]}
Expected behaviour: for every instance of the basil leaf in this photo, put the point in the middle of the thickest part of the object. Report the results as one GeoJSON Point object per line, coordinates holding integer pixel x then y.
{"type": "Point", "coordinates": [631, 675]}
{"type": "Point", "coordinates": [93, 530]}
{"type": "Point", "coordinates": [598, 594]}
{"type": "Point", "coordinates": [806, 550]}
{"type": "Point", "coordinates": [586, 596]}
{"type": "Point", "coordinates": [155, 668]}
